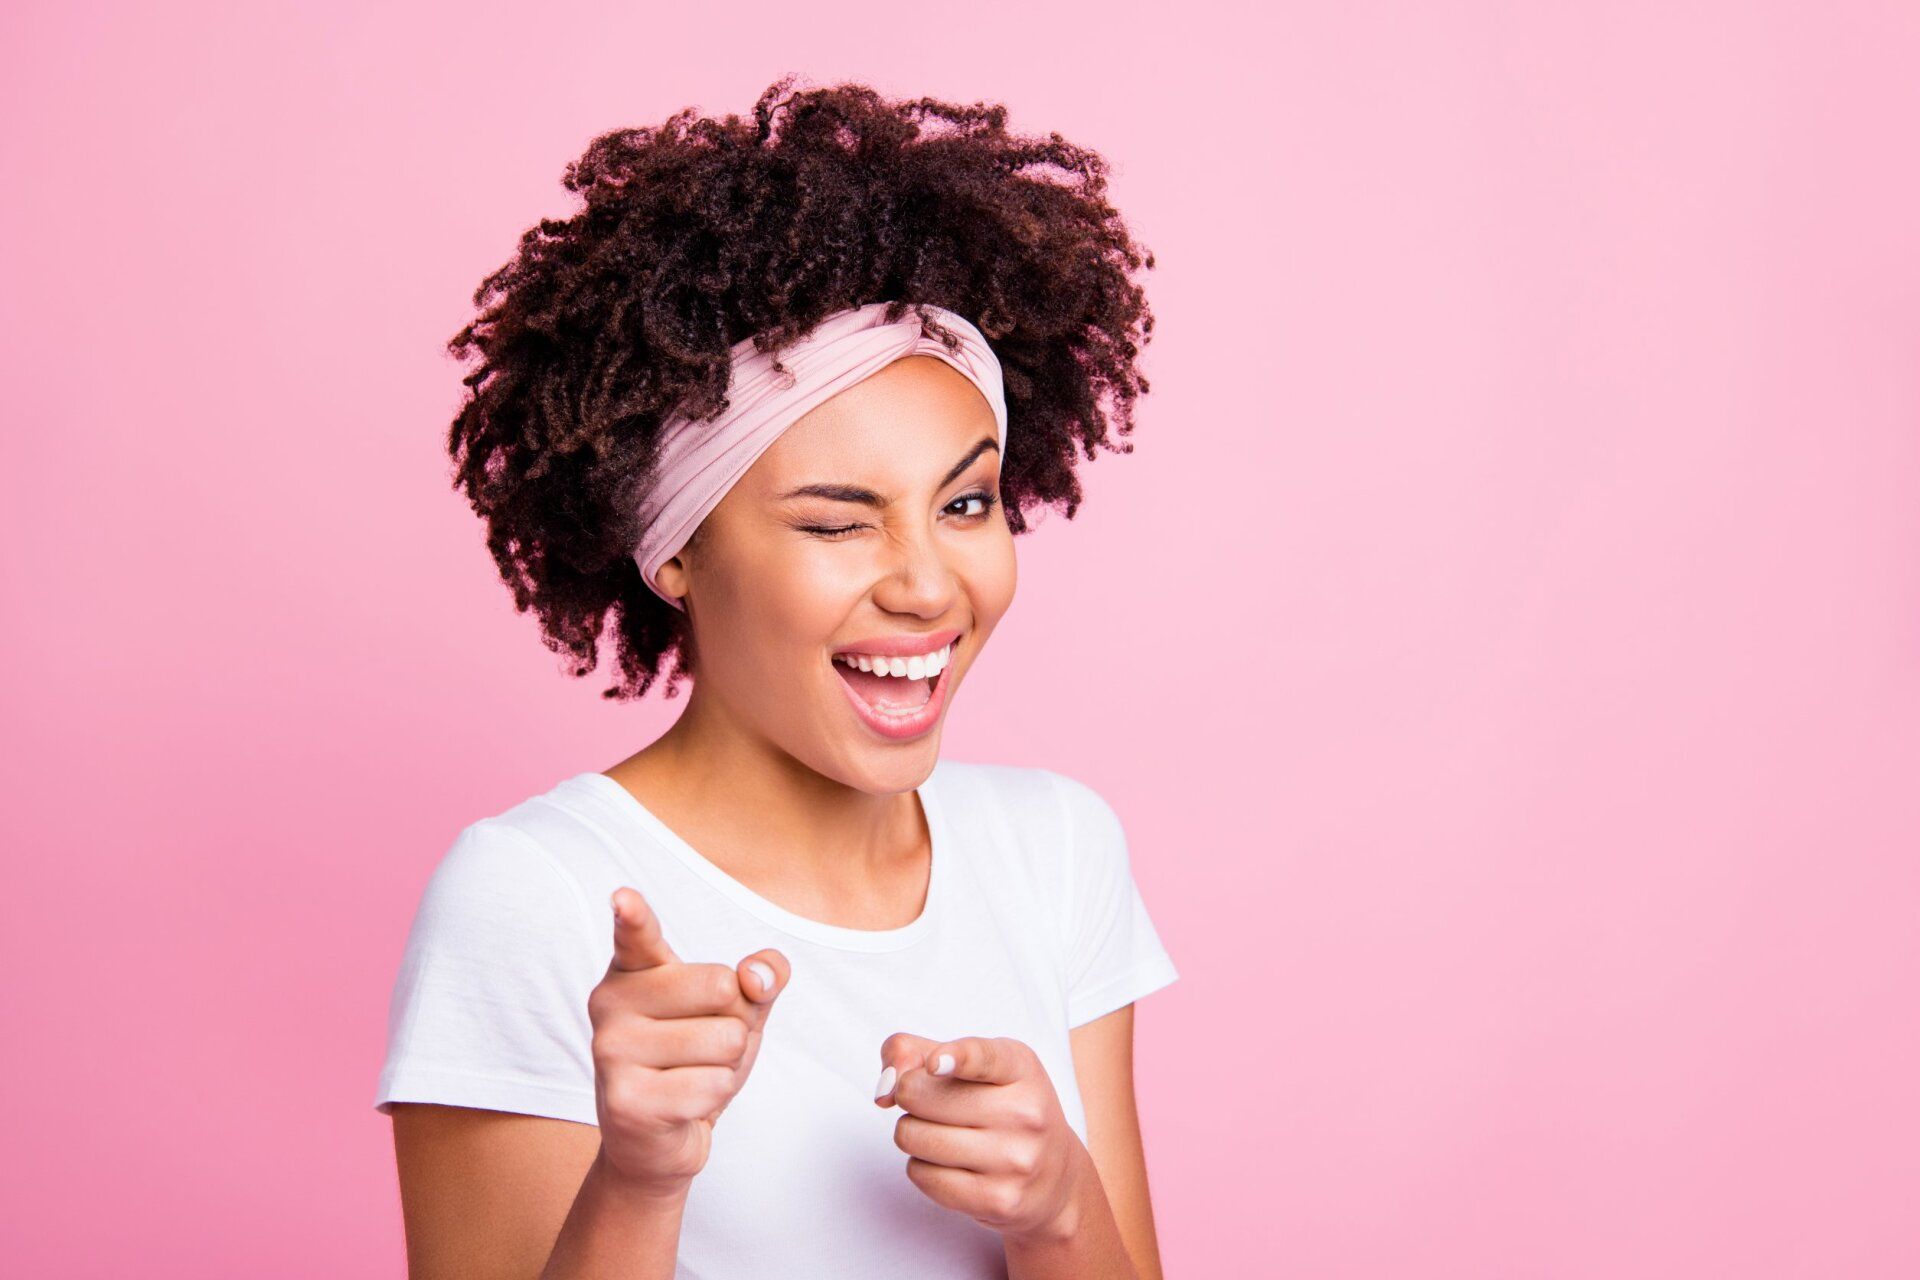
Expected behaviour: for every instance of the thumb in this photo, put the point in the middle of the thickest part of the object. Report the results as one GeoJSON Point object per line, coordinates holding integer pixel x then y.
{"type": "Point", "coordinates": [763, 976]}
{"type": "Point", "coordinates": [638, 942]}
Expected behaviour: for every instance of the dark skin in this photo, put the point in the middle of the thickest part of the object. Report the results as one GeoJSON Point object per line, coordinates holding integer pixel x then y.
{"type": "Point", "coordinates": [703, 232]}
{"type": "Point", "coordinates": [819, 818]}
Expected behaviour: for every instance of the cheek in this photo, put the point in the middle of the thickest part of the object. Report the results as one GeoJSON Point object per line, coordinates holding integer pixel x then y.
{"type": "Point", "coordinates": [763, 606]}
{"type": "Point", "coordinates": [792, 608]}
{"type": "Point", "coordinates": [990, 571]}
{"type": "Point", "coordinates": [830, 574]}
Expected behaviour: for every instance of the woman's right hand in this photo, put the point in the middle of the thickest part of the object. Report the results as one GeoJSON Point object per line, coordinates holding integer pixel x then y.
{"type": "Point", "coordinates": [672, 1044]}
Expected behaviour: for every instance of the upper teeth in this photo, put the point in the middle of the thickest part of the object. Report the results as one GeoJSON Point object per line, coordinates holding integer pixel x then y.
{"type": "Point", "coordinates": [918, 666]}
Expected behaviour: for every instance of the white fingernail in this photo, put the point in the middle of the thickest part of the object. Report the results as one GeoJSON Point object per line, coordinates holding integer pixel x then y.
{"type": "Point", "coordinates": [886, 1082]}
{"type": "Point", "coordinates": [765, 972]}
{"type": "Point", "coordinates": [943, 1064]}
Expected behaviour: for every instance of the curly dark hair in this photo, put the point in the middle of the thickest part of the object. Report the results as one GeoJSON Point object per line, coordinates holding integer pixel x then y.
{"type": "Point", "coordinates": [703, 232]}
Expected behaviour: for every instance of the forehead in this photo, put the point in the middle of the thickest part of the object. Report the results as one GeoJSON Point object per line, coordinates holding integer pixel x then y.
{"type": "Point", "coordinates": [912, 418]}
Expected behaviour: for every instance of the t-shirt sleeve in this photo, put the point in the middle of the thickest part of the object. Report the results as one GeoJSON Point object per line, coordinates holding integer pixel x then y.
{"type": "Point", "coordinates": [489, 1008]}
{"type": "Point", "coordinates": [1114, 955]}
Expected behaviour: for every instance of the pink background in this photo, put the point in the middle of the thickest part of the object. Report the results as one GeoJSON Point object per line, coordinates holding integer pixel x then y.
{"type": "Point", "coordinates": [1503, 647]}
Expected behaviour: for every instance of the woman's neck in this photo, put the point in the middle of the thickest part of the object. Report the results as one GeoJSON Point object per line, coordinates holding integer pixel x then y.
{"type": "Point", "coordinates": [760, 814]}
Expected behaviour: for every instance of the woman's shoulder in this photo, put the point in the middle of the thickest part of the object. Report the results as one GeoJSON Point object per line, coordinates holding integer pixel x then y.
{"type": "Point", "coordinates": [547, 845]}
{"type": "Point", "coordinates": [1047, 814]}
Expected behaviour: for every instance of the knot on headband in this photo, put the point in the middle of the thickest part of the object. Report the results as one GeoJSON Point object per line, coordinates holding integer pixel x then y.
{"type": "Point", "coordinates": [697, 462]}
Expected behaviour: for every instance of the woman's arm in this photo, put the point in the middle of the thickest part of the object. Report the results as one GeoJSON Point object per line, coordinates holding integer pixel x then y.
{"type": "Point", "coordinates": [1103, 1067]}
{"type": "Point", "coordinates": [617, 1229]}
{"type": "Point", "coordinates": [493, 1195]}
{"type": "Point", "coordinates": [1083, 1243]}
{"type": "Point", "coordinates": [1106, 1231]}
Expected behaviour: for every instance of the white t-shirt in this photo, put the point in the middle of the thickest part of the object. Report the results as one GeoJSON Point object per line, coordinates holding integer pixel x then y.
{"type": "Point", "coordinates": [1032, 924]}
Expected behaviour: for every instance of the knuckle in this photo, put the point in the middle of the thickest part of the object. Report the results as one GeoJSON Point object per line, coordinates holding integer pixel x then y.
{"type": "Point", "coordinates": [626, 1096]}
{"type": "Point", "coordinates": [1004, 1200]}
{"type": "Point", "coordinates": [605, 1055]}
{"type": "Point", "coordinates": [611, 1047]}
{"type": "Point", "coordinates": [719, 984]}
{"type": "Point", "coordinates": [717, 1089]}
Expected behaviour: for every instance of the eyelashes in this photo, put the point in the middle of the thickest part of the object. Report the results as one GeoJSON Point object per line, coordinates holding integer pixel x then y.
{"type": "Point", "coordinates": [987, 500]}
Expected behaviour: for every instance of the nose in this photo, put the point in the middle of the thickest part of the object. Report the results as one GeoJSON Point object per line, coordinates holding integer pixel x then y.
{"type": "Point", "coordinates": [918, 579]}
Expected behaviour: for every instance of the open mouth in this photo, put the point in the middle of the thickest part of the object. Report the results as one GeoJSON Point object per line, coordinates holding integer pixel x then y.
{"type": "Point", "coordinates": [904, 706]}
{"type": "Point", "coordinates": [887, 694]}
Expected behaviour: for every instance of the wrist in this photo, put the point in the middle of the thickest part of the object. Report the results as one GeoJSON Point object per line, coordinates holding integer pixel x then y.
{"type": "Point", "coordinates": [662, 1191]}
{"type": "Point", "coordinates": [1057, 1230]}
{"type": "Point", "coordinates": [1066, 1222]}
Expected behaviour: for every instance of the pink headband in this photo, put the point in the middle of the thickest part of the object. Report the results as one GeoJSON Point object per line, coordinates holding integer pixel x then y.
{"type": "Point", "coordinates": [699, 461]}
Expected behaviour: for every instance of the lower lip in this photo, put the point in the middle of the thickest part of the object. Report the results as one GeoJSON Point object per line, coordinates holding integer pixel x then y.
{"type": "Point", "coordinates": [900, 727]}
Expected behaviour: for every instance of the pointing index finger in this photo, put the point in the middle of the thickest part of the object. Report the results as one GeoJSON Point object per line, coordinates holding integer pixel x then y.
{"type": "Point", "coordinates": [986, 1060]}
{"type": "Point", "coordinates": [638, 942]}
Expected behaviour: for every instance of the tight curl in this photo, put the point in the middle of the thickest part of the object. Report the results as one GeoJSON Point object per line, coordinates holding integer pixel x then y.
{"type": "Point", "coordinates": [703, 232]}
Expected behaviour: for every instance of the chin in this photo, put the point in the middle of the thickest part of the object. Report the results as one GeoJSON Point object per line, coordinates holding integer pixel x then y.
{"type": "Point", "coordinates": [892, 775]}
{"type": "Point", "coordinates": [887, 758]}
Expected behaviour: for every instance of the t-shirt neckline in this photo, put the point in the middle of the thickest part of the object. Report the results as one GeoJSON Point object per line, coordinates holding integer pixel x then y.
{"type": "Point", "coordinates": [799, 926]}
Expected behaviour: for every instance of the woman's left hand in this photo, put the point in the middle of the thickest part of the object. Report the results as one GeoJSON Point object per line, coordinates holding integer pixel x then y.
{"type": "Point", "coordinates": [985, 1136]}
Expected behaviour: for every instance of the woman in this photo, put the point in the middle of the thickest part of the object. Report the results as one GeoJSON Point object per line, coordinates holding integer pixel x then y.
{"type": "Point", "coordinates": [776, 401]}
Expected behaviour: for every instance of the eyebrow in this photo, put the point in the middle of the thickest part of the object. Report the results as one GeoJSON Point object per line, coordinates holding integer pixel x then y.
{"type": "Point", "coordinates": [867, 497]}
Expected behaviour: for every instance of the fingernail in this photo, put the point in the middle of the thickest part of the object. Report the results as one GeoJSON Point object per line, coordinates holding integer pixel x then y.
{"type": "Point", "coordinates": [613, 900]}
{"type": "Point", "coordinates": [764, 972]}
{"type": "Point", "coordinates": [886, 1082]}
{"type": "Point", "coordinates": [943, 1064]}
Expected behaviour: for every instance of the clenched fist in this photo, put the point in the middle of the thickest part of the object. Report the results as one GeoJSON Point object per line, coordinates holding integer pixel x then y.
{"type": "Point", "coordinates": [672, 1044]}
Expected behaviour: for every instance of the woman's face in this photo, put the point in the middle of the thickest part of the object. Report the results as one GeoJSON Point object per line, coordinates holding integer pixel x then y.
{"type": "Point", "coordinates": [872, 526]}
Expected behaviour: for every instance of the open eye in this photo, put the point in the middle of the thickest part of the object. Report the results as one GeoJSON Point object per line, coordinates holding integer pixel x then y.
{"type": "Point", "coordinates": [981, 496]}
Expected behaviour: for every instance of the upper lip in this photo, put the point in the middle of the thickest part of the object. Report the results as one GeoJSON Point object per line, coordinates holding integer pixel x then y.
{"type": "Point", "coordinates": [903, 646]}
